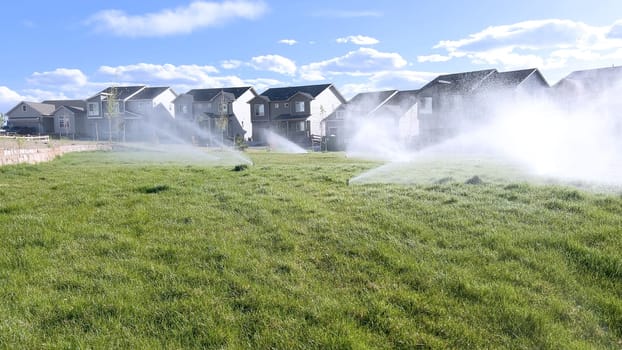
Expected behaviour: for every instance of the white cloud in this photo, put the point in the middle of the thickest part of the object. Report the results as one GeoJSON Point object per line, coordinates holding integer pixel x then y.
{"type": "Point", "coordinates": [39, 95]}
{"type": "Point", "coordinates": [8, 99]}
{"type": "Point", "coordinates": [148, 72]}
{"type": "Point", "coordinates": [358, 40]}
{"type": "Point", "coordinates": [289, 42]}
{"type": "Point", "coordinates": [60, 77]}
{"type": "Point", "coordinates": [547, 44]}
{"type": "Point", "coordinates": [360, 62]}
{"type": "Point", "coordinates": [433, 58]}
{"type": "Point", "coordinates": [274, 63]}
{"type": "Point", "coordinates": [230, 64]}
{"type": "Point", "coordinates": [180, 20]}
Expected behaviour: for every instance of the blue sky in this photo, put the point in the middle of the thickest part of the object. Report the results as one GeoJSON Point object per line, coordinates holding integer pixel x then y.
{"type": "Point", "coordinates": [71, 49]}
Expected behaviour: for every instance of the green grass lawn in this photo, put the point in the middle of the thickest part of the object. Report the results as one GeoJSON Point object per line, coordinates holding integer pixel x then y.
{"type": "Point", "coordinates": [102, 251]}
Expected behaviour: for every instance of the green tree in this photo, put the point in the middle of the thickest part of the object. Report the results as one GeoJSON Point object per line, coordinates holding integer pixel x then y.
{"type": "Point", "coordinates": [2, 119]}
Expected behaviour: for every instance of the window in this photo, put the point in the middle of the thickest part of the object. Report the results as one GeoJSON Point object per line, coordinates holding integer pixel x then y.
{"type": "Point", "coordinates": [332, 131]}
{"type": "Point", "coordinates": [426, 105]}
{"type": "Point", "coordinates": [285, 105]}
{"type": "Point", "coordinates": [184, 108]}
{"type": "Point", "coordinates": [339, 115]}
{"type": "Point", "coordinates": [23, 108]}
{"type": "Point", "coordinates": [276, 106]}
{"type": "Point", "coordinates": [63, 122]}
{"type": "Point", "coordinates": [300, 126]}
{"type": "Point", "coordinates": [224, 107]}
{"type": "Point", "coordinates": [299, 106]}
{"type": "Point", "coordinates": [258, 110]}
{"type": "Point", "coordinates": [93, 108]}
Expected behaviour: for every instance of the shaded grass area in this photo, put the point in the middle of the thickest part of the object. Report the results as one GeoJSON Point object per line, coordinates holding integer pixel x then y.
{"type": "Point", "coordinates": [283, 254]}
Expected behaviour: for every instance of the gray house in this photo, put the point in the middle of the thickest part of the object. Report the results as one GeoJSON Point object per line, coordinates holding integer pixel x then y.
{"type": "Point", "coordinates": [52, 117]}
{"type": "Point", "coordinates": [220, 113]}
{"type": "Point", "coordinates": [587, 86]}
{"type": "Point", "coordinates": [130, 112]}
{"type": "Point", "coordinates": [341, 124]}
{"type": "Point", "coordinates": [69, 117]}
{"type": "Point", "coordinates": [31, 118]}
{"type": "Point", "coordinates": [453, 103]}
{"type": "Point", "coordinates": [294, 112]}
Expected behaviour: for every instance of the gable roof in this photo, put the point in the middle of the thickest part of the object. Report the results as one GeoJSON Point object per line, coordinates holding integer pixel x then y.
{"type": "Point", "coordinates": [209, 94]}
{"type": "Point", "coordinates": [71, 103]}
{"type": "Point", "coordinates": [74, 110]}
{"type": "Point", "coordinates": [41, 108]}
{"type": "Point", "coordinates": [122, 92]}
{"type": "Point", "coordinates": [400, 102]}
{"type": "Point", "coordinates": [149, 93]}
{"type": "Point", "coordinates": [507, 80]}
{"type": "Point", "coordinates": [458, 83]}
{"type": "Point", "coordinates": [285, 93]}
{"type": "Point", "coordinates": [364, 102]}
{"type": "Point", "coordinates": [593, 79]}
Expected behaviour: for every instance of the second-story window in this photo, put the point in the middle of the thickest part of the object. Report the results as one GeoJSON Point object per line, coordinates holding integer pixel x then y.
{"type": "Point", "coordinates": [259, 110]}
{"type": "Point", "coordinates": [93, 108]}
{"type": "Point", "coordinates": [276, 106]}
{"type": "Point", "coordinates": [300, 106]}
{"type": "Point", "coordinates": [23, 108]}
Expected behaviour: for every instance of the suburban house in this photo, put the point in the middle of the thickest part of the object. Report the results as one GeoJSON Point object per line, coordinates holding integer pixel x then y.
{"type": "Point", "coordinates": [130, 112]}
{"type": "Point", "coordinates": [399, 113]}
{"type": "Point", "coordinates": [295, 112]}
{"type": "Point", "coordinates": [150, 114]}
{"type": "Point", "coordinates": [587, 86]}
{"type": "Point", "coordinates": [61, 117]}
{"type": "Point", "coordinates": [69, 117]}
{"type": "Point", "coordinates": [217, 112]}
{"type": "Point", "coordinates": [31, 118]}
{"type": "Point", "coordinates": [453, 103]}
{"type": "Point", "coordinates": [445, 104]}
{"type": "Point", "coordinates": [341, 125]}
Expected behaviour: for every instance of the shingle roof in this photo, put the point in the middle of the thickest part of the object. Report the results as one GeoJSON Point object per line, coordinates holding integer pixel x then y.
{"type": "Point", "coordinates": [285, 93]}
{"type": "Point", "coordinates": [42, 108]}
{"type": "Point", "coordinates": [593, 79]}
{"type": "Point", "coordinates": [507, 80]}
{"type": "Point", "coordinates": [149, 93]}
{"type": "Point", "coordinates": [209, 94]}
{"type": "Point", "coordinates": [72, 103]}
{"type": "Point", "coordinates": [122, 92]}
{"type": "Point", "coordinates": [364, 102]}
{"type": "Point", "coordinates": [459, 83]}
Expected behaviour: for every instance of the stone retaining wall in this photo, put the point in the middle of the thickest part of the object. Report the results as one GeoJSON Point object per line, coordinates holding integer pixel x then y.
{"type": "Point", "coordinates": [38, 155]}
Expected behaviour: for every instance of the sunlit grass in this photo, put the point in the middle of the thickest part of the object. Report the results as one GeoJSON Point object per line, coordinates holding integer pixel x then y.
{"type": "Point", "coordinates": [103, 252]}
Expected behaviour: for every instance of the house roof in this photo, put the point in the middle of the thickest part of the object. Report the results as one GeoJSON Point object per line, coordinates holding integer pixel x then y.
{"type": "Point", "coordinates": [364, 102]}
{"type": "Point", "coordinates": [41, 108]}
{"type": "Point", "coordinates": [285, 93]}
{"type": "Point", "coordinates": [458, 83]}
{"type": "Point", "coordinates": [399, 103]}
{"type": "Point", "coordinates": [593, 79]}
{"type": "Point", "coordinates": [507, 80]}
{"type": "Point", "coordinates": [122, 92]}
{"type": "Point", "coordinates": [209, 94]}
{"type": "Point", "coordinates": [149, 93]}
{"type": "Point", "coordinates": [71, 103]}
